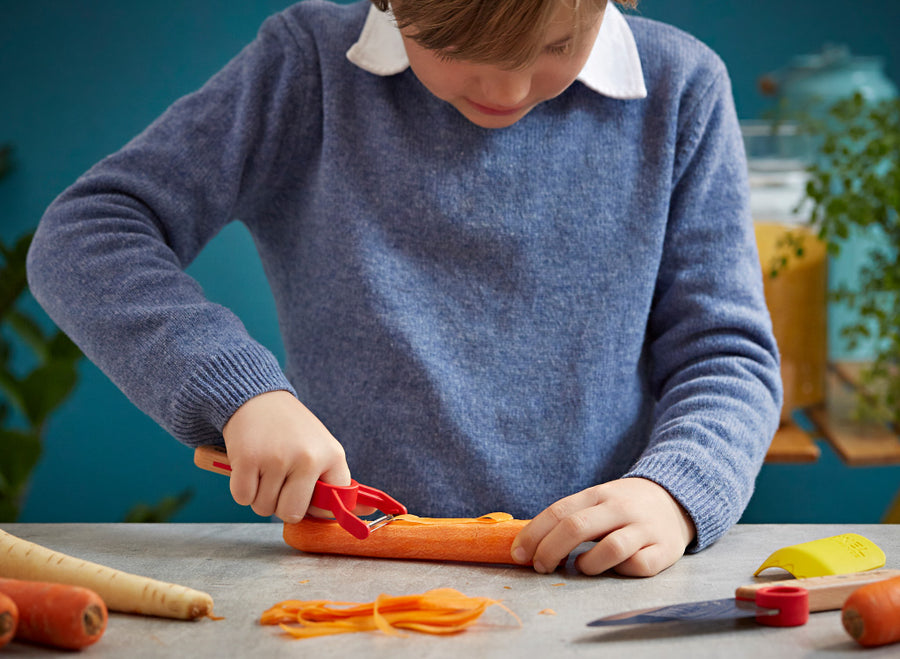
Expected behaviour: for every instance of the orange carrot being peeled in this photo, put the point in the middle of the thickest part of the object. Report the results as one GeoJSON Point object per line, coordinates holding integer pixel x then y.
{"type": "Point", "coordinates": [64, 616]}
{"type": "Point", "coordinates": [871, 614]}
{"type": "Point", "coordinates": [485, 539]}
{"type": "Point", "coordinates": [9, 619]}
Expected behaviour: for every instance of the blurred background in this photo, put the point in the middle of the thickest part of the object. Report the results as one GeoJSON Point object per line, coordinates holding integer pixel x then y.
{"type": "Point", "coordinates": [79, 79]}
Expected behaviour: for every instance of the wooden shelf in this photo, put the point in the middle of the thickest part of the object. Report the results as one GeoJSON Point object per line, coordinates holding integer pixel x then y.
{"type": "Point", "coordinates": [858, 443]}
{"type": "Point", "coordinates": [792, 444]}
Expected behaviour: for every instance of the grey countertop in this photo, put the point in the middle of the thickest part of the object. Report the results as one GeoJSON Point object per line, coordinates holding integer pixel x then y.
{"type": "Point", "coordinates": [247, 568]}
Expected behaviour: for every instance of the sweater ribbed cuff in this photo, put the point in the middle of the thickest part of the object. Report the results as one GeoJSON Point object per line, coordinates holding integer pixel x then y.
{"type": "Point", "coordinates": [714, 505]}
{"type": "Point", "coordinates": [217, 388]}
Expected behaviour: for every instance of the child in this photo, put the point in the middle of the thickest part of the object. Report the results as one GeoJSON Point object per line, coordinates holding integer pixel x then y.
{"type": "Point", "coordinates": [511, 254]}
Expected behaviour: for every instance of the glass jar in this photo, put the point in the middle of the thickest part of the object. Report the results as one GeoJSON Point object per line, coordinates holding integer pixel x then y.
{"type": "Point", "coordinates": [796, 294]}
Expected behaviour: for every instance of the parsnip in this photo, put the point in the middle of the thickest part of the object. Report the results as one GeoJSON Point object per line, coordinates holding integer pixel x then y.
{"type": "Point", "coordinates": [121, 591]}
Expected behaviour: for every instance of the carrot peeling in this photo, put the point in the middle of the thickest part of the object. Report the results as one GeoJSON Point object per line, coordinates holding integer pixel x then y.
{"type": "Point", "coordinates": [441, 611]}
{"type": "Point", "coordinates": [485, 539]}
{"type": "Point", "coordinates": [871, 614]}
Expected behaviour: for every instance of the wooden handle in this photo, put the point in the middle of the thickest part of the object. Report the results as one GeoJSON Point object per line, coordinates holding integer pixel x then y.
{"type": "Point", "coordinates": [212, 458]}
{"type": "Point", "coordinates": [826, 593]}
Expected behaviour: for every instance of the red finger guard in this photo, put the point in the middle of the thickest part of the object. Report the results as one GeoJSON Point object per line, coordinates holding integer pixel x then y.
{"type": "Point", "coordinates": [341, 500]}
{"type": "Point", "coordinates": [792, 603]}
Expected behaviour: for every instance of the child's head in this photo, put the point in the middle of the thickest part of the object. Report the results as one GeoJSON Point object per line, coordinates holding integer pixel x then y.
{"type": "Point", "coordinates": [494, 60]}
{"type": "Point", "coordinates": [487, 31]}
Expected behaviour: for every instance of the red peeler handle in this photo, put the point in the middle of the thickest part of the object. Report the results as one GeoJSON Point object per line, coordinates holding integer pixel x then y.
{"type": "Point", "coordinates": [341, 500]}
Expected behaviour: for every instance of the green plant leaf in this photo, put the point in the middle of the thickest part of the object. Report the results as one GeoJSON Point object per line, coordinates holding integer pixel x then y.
{"type": "Point", "coordinates": [45, 388]}
{"type": "Point", "coordinates": [62, 349]}
{"type": "Point", "coordinates": [6, 162]}
{"type": "Point", "coordinates": [13, 279]}
{"type": "Point", "coordinates": [36, 394]}
{"type": "Point", "coordinates": [10, 386]}
{"type": "Point", "coordinates": [162, 511]}
{"type": "Point", "coordinates": [21, 452]}
{"type": "Point", "coordinates": [29, 331]}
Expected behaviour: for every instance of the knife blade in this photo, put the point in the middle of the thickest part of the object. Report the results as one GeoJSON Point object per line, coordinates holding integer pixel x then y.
{"type": "Point", "coordinates": [721, 609]}
{"type": "Point", "coordinates": [787, 608]}
{"type": "Point", "coordinates": [776, 606]}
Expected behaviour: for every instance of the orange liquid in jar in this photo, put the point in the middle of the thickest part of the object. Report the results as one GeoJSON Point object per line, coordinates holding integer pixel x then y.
{"type": "Point", "coordinates": [796, 298]}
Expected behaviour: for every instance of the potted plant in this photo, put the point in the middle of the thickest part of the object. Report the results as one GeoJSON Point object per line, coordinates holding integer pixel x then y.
{"type": "Point", "coordinates": [853, 201]}
{"type": "Point", "coordinates": [31, 387]}
{"type": "Point", "coordinates": [35, 382]}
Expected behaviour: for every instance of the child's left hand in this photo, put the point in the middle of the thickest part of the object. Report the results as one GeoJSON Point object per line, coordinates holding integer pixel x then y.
{"type": "Point", "coordinates": [639, 528]}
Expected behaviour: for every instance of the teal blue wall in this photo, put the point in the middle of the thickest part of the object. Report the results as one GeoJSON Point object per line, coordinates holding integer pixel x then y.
{"type": "Point", "coordinates": [78, 79]}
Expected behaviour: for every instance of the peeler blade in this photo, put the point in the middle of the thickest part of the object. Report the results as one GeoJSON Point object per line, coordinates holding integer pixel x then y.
{"type": "Point", "coordinates": [381, 521]}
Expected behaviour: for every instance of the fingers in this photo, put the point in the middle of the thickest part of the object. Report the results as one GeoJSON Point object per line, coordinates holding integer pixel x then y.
{"type": "Point", "coordinates": [280, 487]}
{"type": "Point", "coordinates": [551, 536]}
{"type": "Point", "coordinates": [615, 548]}
{"type": "Point", "coordinates": [648, 561]}
{"type": "Point", "coordinates": [272, 487]}
{"type": "Point", "coordinates": [268, 488]}
{"type": "Point", "coordinates": [626, 552]}
{"type": "Point", "coordinates": [278, 450]}
{"type": "Point", "coordinates": [639, 528]}
{"type": "Point", "coordinates": [293, 500]}
{"type": "Point", "coordinates": [244, 484]}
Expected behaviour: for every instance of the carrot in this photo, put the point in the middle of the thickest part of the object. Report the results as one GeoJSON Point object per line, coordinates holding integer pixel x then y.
{"type": "Point", "coordinates": [121, 591]}
{"type": "Point", "coordinates": [439, 611]}
{"type": "Point", "coordinates": [9, 619]}
{"type": "Point", "coordinates": [871, 614]}
{"type": "Point", "coordinates": [68, 617]}
{"type": "Point", "coordinates": [484, 539]}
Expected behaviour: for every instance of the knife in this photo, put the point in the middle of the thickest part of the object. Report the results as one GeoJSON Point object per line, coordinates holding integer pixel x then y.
{"type": "Point", "coordinates": [785, 603]}
{"type": "Point", "coordinates": [339, 499]}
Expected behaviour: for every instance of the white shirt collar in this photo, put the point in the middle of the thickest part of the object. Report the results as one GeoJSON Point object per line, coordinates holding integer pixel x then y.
{"type": "Point", "coordinates": [613, 68]}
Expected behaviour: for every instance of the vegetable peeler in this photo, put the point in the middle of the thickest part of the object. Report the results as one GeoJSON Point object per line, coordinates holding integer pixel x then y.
{"type": "Point", "coordinates": [341, 500]}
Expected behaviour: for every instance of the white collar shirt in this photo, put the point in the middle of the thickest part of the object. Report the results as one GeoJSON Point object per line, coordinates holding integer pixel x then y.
{"type": "Point", "coordinates": [612, 69]}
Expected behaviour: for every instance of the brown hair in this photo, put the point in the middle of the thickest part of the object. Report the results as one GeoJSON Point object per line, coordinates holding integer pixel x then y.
{"type": "Point", "coordinates": [506, 31]}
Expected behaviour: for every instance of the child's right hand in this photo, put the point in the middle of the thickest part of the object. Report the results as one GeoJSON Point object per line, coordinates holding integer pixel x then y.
{"type": "Point", "coordinates": [278, 450]}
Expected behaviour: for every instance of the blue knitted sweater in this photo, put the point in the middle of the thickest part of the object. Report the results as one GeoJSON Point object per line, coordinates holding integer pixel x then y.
{"type": "Point", "coordinates": [486, 319]}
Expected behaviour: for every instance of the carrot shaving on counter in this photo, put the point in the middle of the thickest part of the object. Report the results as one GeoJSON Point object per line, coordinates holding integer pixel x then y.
{"type": "Point", "coordinates": [438, 611]}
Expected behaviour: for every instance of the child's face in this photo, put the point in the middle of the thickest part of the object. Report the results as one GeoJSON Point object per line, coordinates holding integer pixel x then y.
{"type": "Point", "coordinates": [493, 96]}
